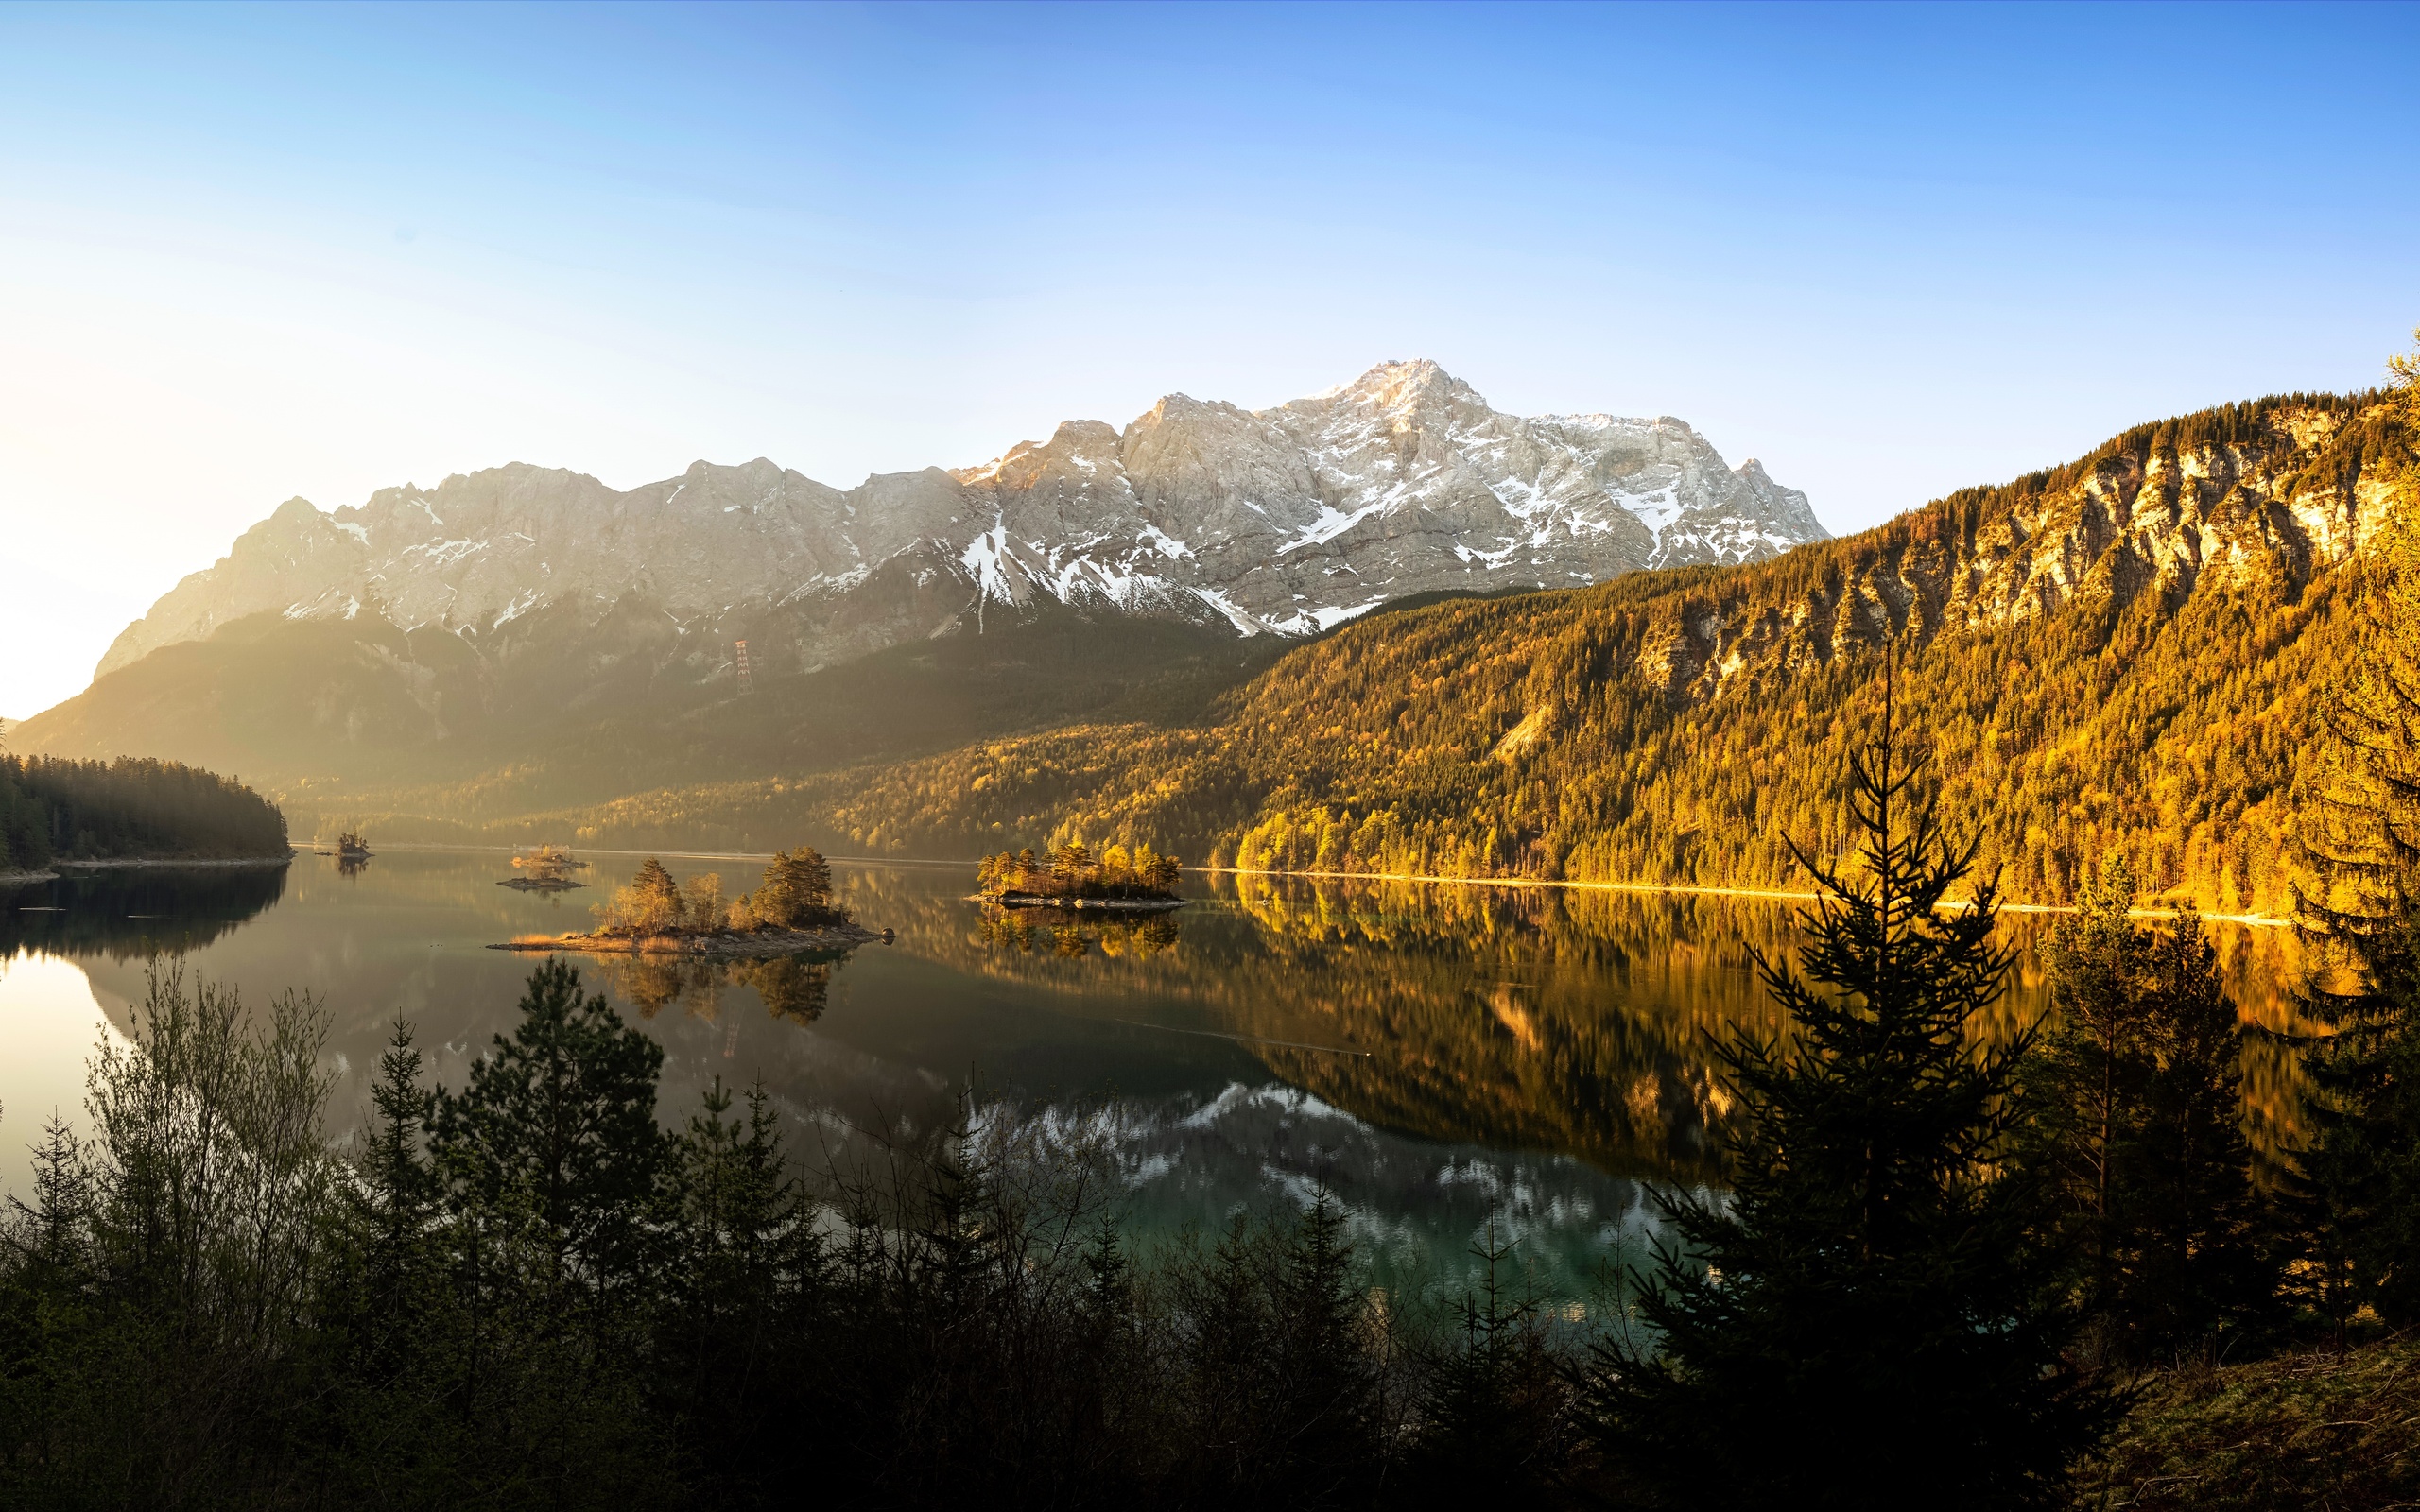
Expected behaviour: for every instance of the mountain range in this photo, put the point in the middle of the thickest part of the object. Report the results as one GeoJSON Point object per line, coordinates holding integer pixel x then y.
{"type": "Point", "coordinates": [1286, 521]}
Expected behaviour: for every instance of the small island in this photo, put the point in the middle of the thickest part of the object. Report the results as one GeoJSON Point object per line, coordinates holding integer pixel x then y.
{"type": "Point", "coordinates": [545, 868]}
{"type": "Point", "coordinates": [349, 846]}
{"type": "Point", "coordinates": [791, 910]}
{"type": "Point", "coordinates": [1118, 880]}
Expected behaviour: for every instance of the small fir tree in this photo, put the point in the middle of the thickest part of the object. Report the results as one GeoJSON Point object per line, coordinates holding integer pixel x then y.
{"type": "Point", "coordinates": [1868, 1320]}
{"type": "Point", "coordinates": [395, 1199]}
{"type": "Point", "coordinates": [2207, 1267]}
{"type": "Point", "coordinates": [1327, 1406]}
{"type": "Point", "coordinates": [748, 1265]}
{"type": "Point", "coordinates": [558, 1122]}
{"type": "Point", "coordinates": [1494, 1406]}
{"type": "Point", "coordinates": [2087, 1078]}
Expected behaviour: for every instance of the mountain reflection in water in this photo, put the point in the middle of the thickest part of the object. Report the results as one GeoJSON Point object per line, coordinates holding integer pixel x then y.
{"type": "Point", "coordinates": [1441, 1055]}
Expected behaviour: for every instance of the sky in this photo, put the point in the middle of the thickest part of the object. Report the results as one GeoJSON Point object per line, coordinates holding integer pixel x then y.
{"type": "Point", "coordinates": [251, 253]}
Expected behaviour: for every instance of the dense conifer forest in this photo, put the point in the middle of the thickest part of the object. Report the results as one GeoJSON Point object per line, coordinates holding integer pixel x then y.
{"type": "Point", "coordinates": [131, 807]}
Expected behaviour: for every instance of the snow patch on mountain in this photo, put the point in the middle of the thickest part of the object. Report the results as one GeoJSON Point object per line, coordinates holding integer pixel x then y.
{"type": "Point", "coordinates": [1291, 521]}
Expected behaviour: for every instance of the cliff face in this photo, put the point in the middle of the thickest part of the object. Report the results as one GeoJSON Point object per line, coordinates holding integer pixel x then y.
{"type": "Point", "coordinates": [2278, 497]}
{"type": "Point", "coordinates": [1285, 521]}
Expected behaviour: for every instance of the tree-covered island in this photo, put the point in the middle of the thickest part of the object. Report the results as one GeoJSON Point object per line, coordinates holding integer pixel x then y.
{"type": "Point", "coordinates": [1073, 877]}
{"type": "Point", "coordinates": [791, 909]}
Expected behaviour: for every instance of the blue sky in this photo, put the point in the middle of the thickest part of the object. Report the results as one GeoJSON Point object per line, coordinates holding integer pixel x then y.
{"type": "Point", "coordinates": [248, 253]}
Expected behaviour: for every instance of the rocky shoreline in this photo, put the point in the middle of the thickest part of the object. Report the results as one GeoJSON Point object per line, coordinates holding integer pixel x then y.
{"type": "Point", "coordinates": [719, 946]}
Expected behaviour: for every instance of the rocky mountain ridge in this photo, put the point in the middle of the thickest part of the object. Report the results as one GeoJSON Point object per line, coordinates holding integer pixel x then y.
{"type": "Point", "coordinates": [2263, 496]}
{"type": "Point", "coordinates": [1285, 521]}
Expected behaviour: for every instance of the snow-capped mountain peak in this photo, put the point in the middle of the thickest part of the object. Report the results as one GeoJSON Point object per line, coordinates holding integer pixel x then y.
{"type": "Point", "coordinates": [1288, 520]}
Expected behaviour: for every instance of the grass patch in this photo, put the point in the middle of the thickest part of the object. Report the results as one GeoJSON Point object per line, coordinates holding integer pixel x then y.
{"type": "Point", "coordinates": [2320, 1430]}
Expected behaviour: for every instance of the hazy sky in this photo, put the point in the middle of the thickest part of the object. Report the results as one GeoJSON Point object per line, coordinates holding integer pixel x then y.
{"type": "Point", "coordinates": [258, 253]}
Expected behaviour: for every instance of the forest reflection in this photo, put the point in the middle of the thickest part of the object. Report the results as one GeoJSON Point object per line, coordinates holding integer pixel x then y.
{"type": "Point", "coordinates": [1072, 934]}
{"type": "Point", "coordinates": [1560, 1023]}
{"type": "Point", "coordinates": [130, 913]}
{"type": "Point", "coordinates": [1570, 1022]}
{"type": "Point", "coordinates": [795, 987]}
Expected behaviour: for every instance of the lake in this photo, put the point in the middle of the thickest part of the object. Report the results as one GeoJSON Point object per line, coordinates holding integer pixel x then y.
{"type": "Point", "coordinates": [1440, 1055]}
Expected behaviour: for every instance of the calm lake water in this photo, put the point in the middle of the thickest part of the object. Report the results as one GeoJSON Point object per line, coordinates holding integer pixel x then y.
{"type": "Point", "coordinates": [1438, 1055]}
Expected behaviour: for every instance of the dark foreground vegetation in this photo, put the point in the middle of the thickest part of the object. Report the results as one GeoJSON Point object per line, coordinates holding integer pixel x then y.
{"type": "Point", "coordinates": [131, 807]}
{"type": "Point", "coordinates": [527, 1294]}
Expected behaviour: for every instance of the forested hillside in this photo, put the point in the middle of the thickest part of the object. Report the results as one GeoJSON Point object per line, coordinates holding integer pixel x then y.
{"type": "Point", "coordinates": [559, 708]}
{"type": "Point", "coordinates": [2122, 652]}
{"type": "Point", "coordinates": [130, 807]}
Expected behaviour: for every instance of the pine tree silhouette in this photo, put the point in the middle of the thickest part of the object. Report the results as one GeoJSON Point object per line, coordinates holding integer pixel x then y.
{"type": "Point", "coordinates": [1868, 1320]}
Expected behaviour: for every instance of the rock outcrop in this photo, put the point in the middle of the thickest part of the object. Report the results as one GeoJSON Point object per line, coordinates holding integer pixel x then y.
{"type": "Point", "coordinates": [2287, 491]}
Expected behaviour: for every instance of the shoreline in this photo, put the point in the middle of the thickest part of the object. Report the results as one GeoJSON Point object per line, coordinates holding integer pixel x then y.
{"type": "Point", "coordinates": [11, 879]}
{"type": "Point", "coordinates": [2249, 921]}
{"type": "Point", "coordinates": [116, 863]}
{"type": "Point", "coordinates": [704, 947]}
{"type": "Point", "coordinates": [1677, 889]}
{"type": "Point", "coordinates": [1108, 905]}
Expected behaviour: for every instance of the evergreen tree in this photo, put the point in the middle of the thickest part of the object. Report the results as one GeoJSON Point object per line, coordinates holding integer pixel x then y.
{"type": "Point", "coordinates": [2087, 1080]}
{"type": "Point", "coordinates": [1327, 1391]}
{"type": "Point", "coordinates": [48, 1290]}
{"type": "Point", "coordinates": [650, 902]}
{"type": "Point", "coordinates": [748, 1267]}
{"type": "Point", "coordinates": [796, 892]}
{"type": "Point", "coordinates": [1280, 1396]}
{"type": "Point", "coordinates": [1494, 1407]}
{"type": "Point", "coordinates": [398, 1189]}
{"type": "Point", "coordinates": [2136, 1130]}
{"type": "Point", "coordinates": [1868, 1320]}
{"type": "Point", "coordinates": [2206, 1263]}
{"type": "Point", "coordinates": [558, 1122]}
{"type": "Point", "coordinates": [2360, 1179]}
{"type": "Point", "coordinates": [1071, 863]}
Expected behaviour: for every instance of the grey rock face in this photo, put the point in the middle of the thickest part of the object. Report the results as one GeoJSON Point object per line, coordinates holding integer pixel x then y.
{"type": "Point", "coordinates": [1285, 521]}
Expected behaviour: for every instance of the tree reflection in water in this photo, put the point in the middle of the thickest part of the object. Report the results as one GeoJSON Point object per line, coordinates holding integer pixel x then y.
{"type": "Point", "coordinates": [1572, 1021]}
{"type": "Point", "coordinates": [795, 987]}
{"type": "Point", "coordinates": [1057, 932]}
{"type": "Point", "coordinates": [132, 912]}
